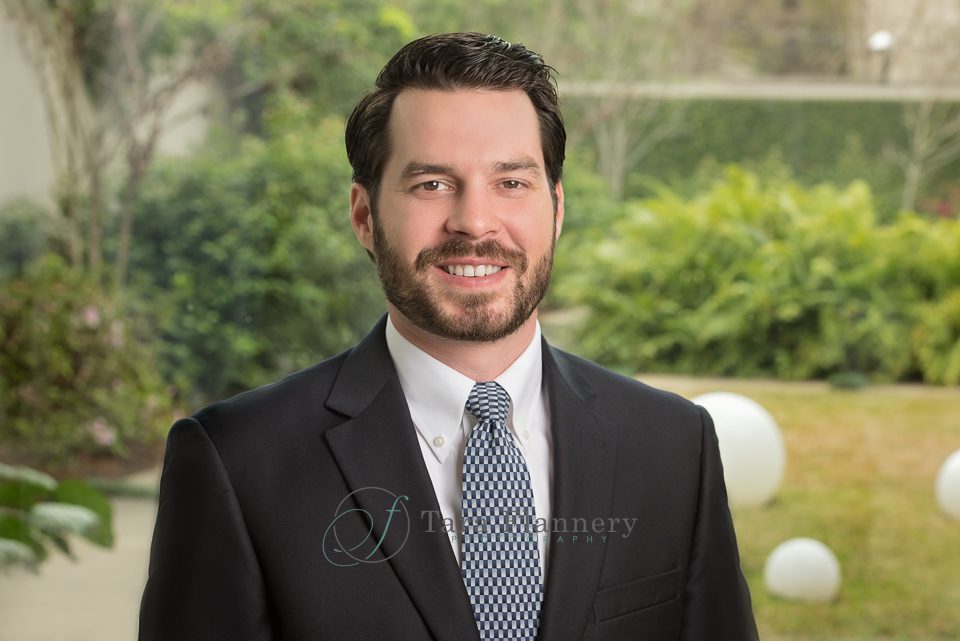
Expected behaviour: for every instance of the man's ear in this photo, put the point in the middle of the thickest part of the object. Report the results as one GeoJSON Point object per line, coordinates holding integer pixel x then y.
{"type": "Point", "coordinates": [559, 214]}
{"type": "Point", "coordinates": [361, 216]}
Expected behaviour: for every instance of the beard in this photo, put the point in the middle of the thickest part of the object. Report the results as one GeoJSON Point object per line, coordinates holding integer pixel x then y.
{"type": "Point", "coordinates": [479, 318]}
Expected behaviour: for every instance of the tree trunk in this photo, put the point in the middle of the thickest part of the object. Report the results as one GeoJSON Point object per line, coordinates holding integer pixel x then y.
{"type": "Point", "coordinates": [138, 165]}
{"type": "Point", "coordinates": [913, 176]}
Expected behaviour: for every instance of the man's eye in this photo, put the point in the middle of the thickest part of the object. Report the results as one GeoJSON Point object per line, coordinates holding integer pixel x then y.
{"type": "Point", "coordinates": [512, 184]}
{"type": "Point", "coordinates": [433, 185]}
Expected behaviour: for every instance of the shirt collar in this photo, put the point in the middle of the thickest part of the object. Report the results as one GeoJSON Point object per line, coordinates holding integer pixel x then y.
{"type": "Point", "coordinates": [437, 394]}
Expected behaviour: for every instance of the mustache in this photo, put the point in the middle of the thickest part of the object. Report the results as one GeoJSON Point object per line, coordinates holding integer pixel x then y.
{"type": "Point", "coordinates": [459, 248]}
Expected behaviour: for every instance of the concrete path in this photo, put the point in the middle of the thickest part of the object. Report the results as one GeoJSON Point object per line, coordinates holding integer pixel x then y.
{"type": "Point", "coordinates": [94, 599]}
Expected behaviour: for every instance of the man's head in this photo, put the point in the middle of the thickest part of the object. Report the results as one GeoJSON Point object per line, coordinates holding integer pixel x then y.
{"type": "Point", "coordinates": [447, 62]}
{"type": "Point", "coordinates": [457, 158]}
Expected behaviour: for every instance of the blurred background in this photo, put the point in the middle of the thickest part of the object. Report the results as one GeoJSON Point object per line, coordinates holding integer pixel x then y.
{"type": "Point", "coordinates": [762, 198]}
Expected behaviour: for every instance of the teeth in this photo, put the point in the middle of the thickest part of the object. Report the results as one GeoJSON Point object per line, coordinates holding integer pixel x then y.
{"type": "Point", "coordinates": [472, 271]}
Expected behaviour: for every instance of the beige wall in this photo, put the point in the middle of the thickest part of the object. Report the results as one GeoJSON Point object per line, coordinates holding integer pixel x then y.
{"type": "Point", "coordinates": [26, 169]}
{"type": "Point", "coordinates": [926, 34]}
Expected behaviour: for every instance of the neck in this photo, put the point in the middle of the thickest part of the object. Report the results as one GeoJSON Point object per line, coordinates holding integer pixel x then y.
{"type": "Point", "coordinates": [478, 360]}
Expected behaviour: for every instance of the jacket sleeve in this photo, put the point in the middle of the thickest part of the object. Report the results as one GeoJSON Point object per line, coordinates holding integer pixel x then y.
{"type": "Point", "coordinates": [204, 580]}
{"type": "Point", "coordinates": [716, 600]}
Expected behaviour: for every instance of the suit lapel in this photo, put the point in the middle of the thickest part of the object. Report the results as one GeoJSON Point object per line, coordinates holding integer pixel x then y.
{"type": "Point", "coordinates": [584, 458]}
{"type": "Point", "coordinates": [378, 448]}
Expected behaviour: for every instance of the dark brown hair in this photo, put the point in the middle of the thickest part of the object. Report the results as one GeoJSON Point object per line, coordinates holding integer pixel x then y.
{"type": "Point", "coordinates": [447, 62]}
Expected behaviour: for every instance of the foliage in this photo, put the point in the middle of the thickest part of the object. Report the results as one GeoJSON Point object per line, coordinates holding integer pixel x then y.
{"type": "Point", "coordinates": [38, 513]}
{"type": "Point", "coordinates": [26, 231]}
{"type": "Point", "coordinates": [325, 51]}
{"type": "Point", "coordinates": [75, 375]}
{"type": "Point", "coordinates": [248, 258]}
{"type": "Point", "coordinates": [935, 340]}
{"type": "Point", "coordinates": [815, 141]}
{"type": "Point", "coordinates": [769, 279]}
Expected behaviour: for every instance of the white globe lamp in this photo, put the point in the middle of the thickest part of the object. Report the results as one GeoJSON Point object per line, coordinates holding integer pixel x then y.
{"type": "Point", "coordinates": [751, 448]}
{"type": "Point", "coordinates": [803, 569]}
{"type": "Point", "coordinates": [948, 486]}
{"type": "Point", "coordinates": [880, 41]}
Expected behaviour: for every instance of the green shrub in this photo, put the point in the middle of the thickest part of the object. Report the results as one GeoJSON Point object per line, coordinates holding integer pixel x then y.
{"type": "Point", "coordinates": [76, 375]}
{"type": "Point", "coordinates": [765, 278]}
{"type": "Point", "coordinates": [248, 260]}
{"type": "Point", "coordinates": [26, 229]}
{"type": "Point", "coordinates": [936, 340]}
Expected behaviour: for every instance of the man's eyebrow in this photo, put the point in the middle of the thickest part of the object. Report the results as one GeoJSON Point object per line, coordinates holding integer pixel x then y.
{"type": "Point", "coordinates": [519, 164]}
{"type": "Point", "coordinates": [417, 168]}
{"type": "Point", "coordinates": [414, 168]}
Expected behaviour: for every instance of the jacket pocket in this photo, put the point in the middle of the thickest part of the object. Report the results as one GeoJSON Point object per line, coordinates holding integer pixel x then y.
{"type": "Point", "coordinates": [637, 595]}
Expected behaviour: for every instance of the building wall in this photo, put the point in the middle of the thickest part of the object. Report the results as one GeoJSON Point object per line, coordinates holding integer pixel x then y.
{"type": "Point", "coordinates": [26, 168]}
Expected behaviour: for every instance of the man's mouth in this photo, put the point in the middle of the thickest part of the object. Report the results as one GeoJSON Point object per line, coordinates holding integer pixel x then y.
{"type": "Point", "coordinates": [471, 271]}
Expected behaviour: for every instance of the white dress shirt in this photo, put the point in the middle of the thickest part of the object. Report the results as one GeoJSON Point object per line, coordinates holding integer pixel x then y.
{"type": "Point", "coordinates": [437, 395]}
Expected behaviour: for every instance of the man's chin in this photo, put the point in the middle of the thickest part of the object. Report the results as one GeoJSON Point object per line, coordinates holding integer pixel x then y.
{"type": "Point", "coordinates": [479, 323]}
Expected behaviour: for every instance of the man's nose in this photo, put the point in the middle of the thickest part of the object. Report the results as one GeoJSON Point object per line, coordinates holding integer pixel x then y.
{"type": "Point", "coordinates": [474, 214]}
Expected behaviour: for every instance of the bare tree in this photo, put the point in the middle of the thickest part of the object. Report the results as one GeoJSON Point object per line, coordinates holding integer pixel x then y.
{"type": "Point", "coordinates": [933, 143]}
{"type": "Point", "coordinates": [926, 50]}
{"type": "Point", "coordinates": [619, 42]}
{"type": "Point", "coordinates": [108, 99]}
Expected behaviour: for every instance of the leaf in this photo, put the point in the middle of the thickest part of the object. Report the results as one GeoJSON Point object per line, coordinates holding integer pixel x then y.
{"type": "Point", "coordinates": [80, 493]}
{"type": "Point", "coordinates": [16, 528]}
{"type": "Point", "coordinates": [27, 476]}
{"type": "Point", "coordinates": [61, 543]}
{"type": "Point", "coordinates": [63, 517]}
{"type": "Point", "coordinates": [16, 553]}
{"type": "Point", "coordinates": [21, 496]}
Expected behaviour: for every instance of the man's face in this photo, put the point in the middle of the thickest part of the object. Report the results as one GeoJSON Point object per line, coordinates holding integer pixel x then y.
{"type": "Point", "coordinates": [464, 226]}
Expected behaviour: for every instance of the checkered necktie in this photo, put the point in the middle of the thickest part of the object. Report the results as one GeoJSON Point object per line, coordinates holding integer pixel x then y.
{"type": "Point", "coordinates": [499, 557]}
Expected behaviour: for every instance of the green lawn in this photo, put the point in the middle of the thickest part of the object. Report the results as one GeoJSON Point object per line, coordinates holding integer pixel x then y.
{"type": "Point", "coordinates": [860, 475]}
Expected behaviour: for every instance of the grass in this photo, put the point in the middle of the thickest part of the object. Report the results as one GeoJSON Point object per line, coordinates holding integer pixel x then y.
{"type": "Point", "coordinates": [861, 467]}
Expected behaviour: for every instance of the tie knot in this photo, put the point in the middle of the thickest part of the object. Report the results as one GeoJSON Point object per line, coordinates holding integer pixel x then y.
{"type": "Point", "coordinates": [488, 402]}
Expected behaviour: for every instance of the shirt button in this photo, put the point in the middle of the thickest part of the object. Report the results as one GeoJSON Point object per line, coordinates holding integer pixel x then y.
{"type": "Point", "coordinates": [439, 441]}
{"type": "Point", "coordinates": [526, 435]}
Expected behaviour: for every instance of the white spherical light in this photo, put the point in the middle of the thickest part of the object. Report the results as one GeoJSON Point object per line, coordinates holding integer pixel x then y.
{"type": "Point", "coordinates": [880, 41]}
{"type": "Point", "coordinates": [751, 447]}
{"type": "Point", "coordinates": [802, 569]}
{"type": "Point", "coordinates": [948, 485]}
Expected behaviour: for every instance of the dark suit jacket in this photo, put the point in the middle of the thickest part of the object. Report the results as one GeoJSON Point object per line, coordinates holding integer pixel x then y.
{"type": "Point", "coordinates": [251, 485]}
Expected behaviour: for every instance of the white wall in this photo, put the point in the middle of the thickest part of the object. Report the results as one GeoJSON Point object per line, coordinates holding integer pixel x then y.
{"type": "Point", "coordinates": [26, 169]}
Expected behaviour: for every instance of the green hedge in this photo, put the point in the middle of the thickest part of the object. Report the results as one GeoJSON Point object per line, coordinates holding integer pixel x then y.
{"type": "Point", "coordinates": [246, 259]}
{"type": "Point", "coordinates": [818, 141]}
{"type": "Point", "coordinates": [769, 278]}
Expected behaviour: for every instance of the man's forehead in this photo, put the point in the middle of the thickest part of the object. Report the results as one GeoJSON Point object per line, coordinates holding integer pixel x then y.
{"type": "Point", "coordinates": [423, 108]}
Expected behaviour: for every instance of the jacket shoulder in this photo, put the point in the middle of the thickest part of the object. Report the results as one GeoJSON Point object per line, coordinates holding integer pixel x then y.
{"type": "Point", "coordinates": [610, 386]}
{"type": "Point", "coordinates": [290, 400]}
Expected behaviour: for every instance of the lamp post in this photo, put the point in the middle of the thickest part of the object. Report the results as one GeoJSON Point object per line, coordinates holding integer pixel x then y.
{"type": "Point", "coordinates": [881, 42]}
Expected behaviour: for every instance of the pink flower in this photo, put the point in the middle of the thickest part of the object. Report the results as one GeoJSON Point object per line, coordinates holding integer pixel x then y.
{"type": "Point", "coordinates": [91, 316]}
{"type": "Point", "coordinates": [101, 433]}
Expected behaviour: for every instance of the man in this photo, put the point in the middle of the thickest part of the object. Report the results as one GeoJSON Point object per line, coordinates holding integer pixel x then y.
{"type": "Point", "coordinates": [452, 476]}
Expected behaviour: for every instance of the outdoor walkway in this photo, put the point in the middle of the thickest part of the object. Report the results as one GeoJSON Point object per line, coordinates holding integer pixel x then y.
{"type": "Point", "coordinates": [94, 599]}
